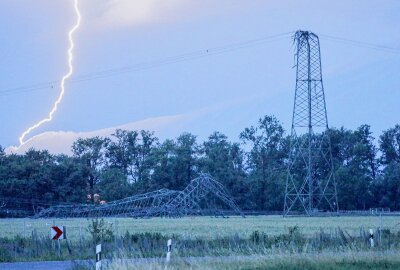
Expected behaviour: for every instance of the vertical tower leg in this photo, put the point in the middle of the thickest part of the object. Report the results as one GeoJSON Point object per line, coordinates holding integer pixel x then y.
{"type": "Point", "coordinates": [310, 183]}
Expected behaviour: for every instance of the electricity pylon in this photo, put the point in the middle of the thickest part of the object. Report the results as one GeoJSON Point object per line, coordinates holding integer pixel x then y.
{"type": "Point", "coordinates": [200, 193]}
{"type": "Point", "coordinates": [310, 183]}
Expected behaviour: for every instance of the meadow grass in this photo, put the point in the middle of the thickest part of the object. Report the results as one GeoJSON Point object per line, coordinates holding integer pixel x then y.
{"type": "Point", "coordinates": [349, 260]}
{"type": "Point", "coordinates": [153, 244]}
{"type": "Point", "coordinates": [200, 227]}
{"type": "Point", "coordinates": [236, 237]}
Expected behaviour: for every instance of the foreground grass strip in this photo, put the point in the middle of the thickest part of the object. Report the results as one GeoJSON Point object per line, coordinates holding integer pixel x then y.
{"type": "Point", "coordinates": [153, 245]}
{"type": "Point", "coordinates": [280, 261]}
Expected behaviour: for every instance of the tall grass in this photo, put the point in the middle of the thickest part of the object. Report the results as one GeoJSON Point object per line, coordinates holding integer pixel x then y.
{"type": "Point", "coordinates": [202, 227]}
{"type": "Point", "coordinates": [153, 245]}
{"type": "Point", "coordinates": [277, 260]}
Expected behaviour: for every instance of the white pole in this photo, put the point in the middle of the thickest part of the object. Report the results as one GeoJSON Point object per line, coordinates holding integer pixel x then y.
{"type": "Point", "coordinates": [98, 257]}
{"type": "Point", "coordinates": [116, 234]}
{"type": "Point", "coordinates": [169, 246]}
{"type": "Point", "coordinates": [59, 247]}
{"type": "Point", "coordinates": [80, 233]}
{"type": "Point", "coordinates": [380, 230]}
{"type": "Point", "coordinates": [371, 237]}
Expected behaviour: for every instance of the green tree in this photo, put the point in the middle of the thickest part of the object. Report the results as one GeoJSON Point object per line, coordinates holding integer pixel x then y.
{"type": "Point", "coordinates": [175, 162]}
{"type": "Point", "coordinates": [69, 177]}
{"type": "Point", "coordinates": [91, 153]}
{"type": "Point", "coordinates": [38, 167]}
{"type": "Point", "coordinates": [354, 154]}
{"type": "Point", "coordinates": [366, 150]}
{"type": "Point", "coordinates": [185, 160]}
{"type": "Point", "coordinates": [164, 174]}
{"type": "Point", "coordinates": [265, 162]}
{"type": "Point", "coordinates": [389, 144]}
{"type": "Point", "coordinates": [2, 154]}
{"type": "Point", "coordinates": [387, 190]}
{"type": "Point", "coordinates": [132, 152]}
{"type": "Point", "coordinates": [390, 187]}
{"type": "Point", "coordinates": [113, 185]}
{"type": "Point", "coordinates": [225, 162]}
{"type": "Point", "coordinates": [122, 148]}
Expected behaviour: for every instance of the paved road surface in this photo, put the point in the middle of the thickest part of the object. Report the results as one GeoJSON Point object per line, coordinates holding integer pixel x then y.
{"type": "Point", "coordinates": [67, 265]}
{"type": "Point", "coordinates": [63, 265]}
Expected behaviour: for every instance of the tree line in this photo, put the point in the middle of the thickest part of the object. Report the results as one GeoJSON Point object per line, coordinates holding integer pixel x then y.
{"type": "Point", "coordinates": [253, 169]}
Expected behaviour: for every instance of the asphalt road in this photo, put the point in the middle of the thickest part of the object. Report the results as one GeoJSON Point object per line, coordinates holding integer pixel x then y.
{"type": "Point", "coordinates": [67, 265]}
{"type": "Point", "coordinates": [62, 265]}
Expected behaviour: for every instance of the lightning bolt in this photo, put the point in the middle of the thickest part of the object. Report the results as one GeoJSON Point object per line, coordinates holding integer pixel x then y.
{"type": "Point", "coordinates": [64, 78]}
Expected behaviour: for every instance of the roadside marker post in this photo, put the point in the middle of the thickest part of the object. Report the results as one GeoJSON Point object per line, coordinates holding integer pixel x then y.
{"type": "Point", "coordinates": [98, 257]}
{"type": "Point", "coordinates": [58, 232]}
{"type": "Point", "coordinates": [380, 229]}
{"type": "Point", "coordinates": [371, 237]}
{"type": "Point", "coordinates": [169, 248]}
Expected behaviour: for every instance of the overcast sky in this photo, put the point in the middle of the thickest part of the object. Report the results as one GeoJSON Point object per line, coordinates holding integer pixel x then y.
{"type": "Point", "coordinates": [225, 91]}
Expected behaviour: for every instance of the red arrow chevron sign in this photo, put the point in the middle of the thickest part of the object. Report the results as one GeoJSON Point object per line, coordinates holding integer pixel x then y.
{"type": "Point", "coordinates": [57, 232]}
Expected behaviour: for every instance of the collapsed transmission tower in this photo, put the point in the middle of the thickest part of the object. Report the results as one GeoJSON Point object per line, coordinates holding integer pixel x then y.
{"type": "Point", "coordinates": [310, 183]}
{"type": "Point", "coordinates": [196, 199]}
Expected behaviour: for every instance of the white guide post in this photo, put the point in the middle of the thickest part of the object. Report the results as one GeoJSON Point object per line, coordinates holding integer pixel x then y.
{"type": "Point", "coordinates": [371, 237]}
{"type": "Point", "coordinates": [169, 246]}
{"type": "Point", "coordinates": [98, 257]}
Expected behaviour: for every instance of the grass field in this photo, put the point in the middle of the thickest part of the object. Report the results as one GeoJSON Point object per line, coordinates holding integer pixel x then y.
{"type": "Point", "coordinates": [323, 261]}
{"type": "Point", "coordinates": [201, 227]}
{"type": "Point", "coordinates": [254, 242]}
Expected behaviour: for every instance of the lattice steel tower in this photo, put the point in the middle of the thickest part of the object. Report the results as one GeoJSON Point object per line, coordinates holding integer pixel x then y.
{"type": "Point", "coordinates": [310, 183]}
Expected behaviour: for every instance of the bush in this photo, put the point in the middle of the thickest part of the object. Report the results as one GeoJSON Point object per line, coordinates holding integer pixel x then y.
{"type": "Point", "coordinates": [100, 231]}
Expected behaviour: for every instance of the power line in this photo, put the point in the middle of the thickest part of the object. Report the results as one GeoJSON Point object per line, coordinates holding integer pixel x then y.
{"type": "Point", "coordinates": [188, 57]}
{"type": "Point", "coordinates": [151, 64]}
{"type": "Point", "coordinates": [362, 44]}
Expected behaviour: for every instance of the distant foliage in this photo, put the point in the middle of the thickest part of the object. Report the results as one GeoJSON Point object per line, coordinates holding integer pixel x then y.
{"type": "Point", "coordinates": [253, 168]}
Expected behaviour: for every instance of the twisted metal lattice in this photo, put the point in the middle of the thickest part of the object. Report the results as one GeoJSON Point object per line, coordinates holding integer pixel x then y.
{"type": "Point", "coordinates": [310, 184]}
{"type": "Point", "coordinates": [195, 199]}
